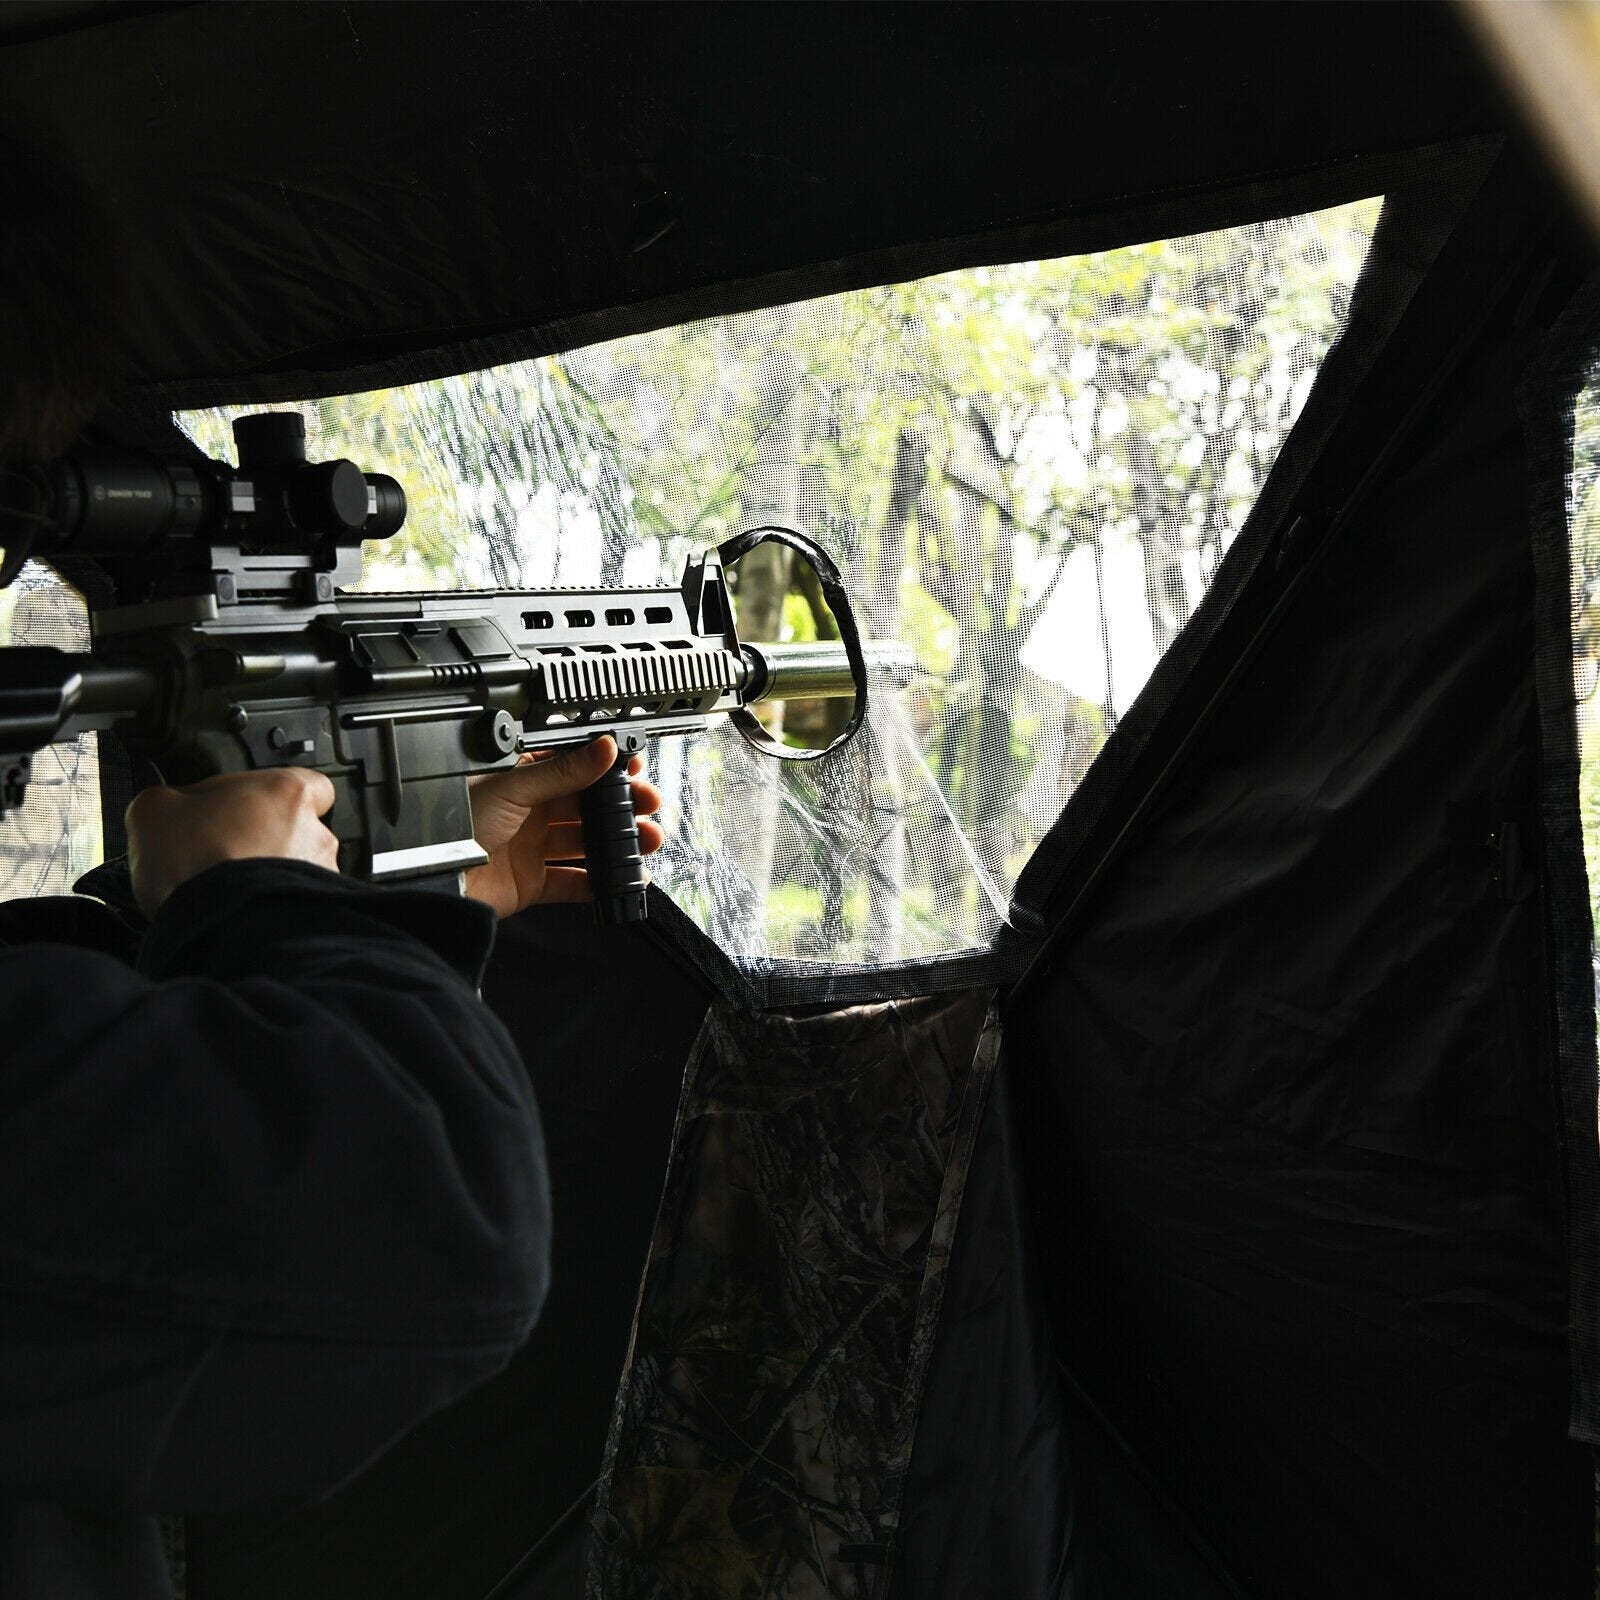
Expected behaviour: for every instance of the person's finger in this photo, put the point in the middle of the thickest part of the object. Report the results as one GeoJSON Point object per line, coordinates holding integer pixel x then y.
{"type": "Point", "coordinates": [563, 841]}
{"type": "Point", "coordinates": [564, 886]}
{"type": "Point", "coordinates": [149, 806]}
{"type": "Point", "coordinates": [319, 791]}
{"type": "Point", "coordinates": [549, 782]}
{"type": "Point", "coordinates": [476, 780]}
{"type": "Point", "coordinates": [530, 757]}
{"type": "Point", "coordinates": [288, 785]}
{"type": "Point", "coordinates": [564, 808]}
{"type": "Point", "coordinates": [646, 802]}
{"type": "Point", "coordinates": [635, 762]}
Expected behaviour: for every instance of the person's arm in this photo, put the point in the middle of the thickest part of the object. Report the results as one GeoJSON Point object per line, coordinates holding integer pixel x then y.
{"type": "Point", "coordinates": [279, 1193]}
{"type": "Point", "coordinates": [269, 1201]}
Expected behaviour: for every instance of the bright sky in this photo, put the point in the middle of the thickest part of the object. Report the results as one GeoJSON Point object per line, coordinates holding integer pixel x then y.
{"type": "Point", "coordinates": [1065, 645]}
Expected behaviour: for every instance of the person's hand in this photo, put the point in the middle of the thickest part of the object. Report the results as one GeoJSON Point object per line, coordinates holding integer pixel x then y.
{"type": "Point", "coordinates": [173, 834]}
{"type": "Point", "coordinates": [527, 817]}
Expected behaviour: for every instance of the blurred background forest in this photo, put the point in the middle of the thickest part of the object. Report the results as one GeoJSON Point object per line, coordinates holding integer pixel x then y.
{"type": "Point", "coordinates": [1029, 473]}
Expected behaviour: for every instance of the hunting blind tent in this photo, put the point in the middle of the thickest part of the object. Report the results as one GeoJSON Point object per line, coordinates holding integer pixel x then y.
{"type": "Point", "coordinates": [1123, 1125]}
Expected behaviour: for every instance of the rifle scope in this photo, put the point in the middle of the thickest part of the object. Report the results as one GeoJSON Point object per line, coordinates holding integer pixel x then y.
{"type": "Point", "coordinates": [119, 502]}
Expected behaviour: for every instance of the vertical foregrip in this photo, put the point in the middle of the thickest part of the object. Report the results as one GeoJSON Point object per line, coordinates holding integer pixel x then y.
{"type": "Point", "coordinates": [611, 847]}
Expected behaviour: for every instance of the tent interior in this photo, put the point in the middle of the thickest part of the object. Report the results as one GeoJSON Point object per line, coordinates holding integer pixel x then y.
{"type": "Point", "coordinates": [1125, 1123]}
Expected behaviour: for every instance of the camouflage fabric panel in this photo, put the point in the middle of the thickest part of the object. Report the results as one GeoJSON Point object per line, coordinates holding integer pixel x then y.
{"type": "Point", "coordinates": [768, 1405]}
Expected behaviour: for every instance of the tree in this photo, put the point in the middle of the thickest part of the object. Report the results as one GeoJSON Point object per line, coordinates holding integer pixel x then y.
{"type": "Point", "coordinates": [981, 451]}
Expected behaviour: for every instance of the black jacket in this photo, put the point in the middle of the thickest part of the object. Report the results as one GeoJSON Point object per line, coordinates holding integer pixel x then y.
{"type": "Point", "coordinates": [274, 1189]}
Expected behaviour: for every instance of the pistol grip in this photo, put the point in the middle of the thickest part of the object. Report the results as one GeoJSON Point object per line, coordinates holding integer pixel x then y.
{"type": "Point", "coordinates": [611, 846]}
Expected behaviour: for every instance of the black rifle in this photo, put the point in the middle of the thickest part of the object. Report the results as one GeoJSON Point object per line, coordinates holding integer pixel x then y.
{"type": "Point", "coordinates": [242, 651]}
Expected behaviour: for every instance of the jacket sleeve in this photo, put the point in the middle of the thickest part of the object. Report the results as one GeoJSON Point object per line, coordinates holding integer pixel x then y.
{"type": "Point", "coordinates": [271, 1198]}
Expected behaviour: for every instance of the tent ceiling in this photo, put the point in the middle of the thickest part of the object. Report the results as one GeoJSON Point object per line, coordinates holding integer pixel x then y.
{"type": "Point", "coordinates": [305, 189]}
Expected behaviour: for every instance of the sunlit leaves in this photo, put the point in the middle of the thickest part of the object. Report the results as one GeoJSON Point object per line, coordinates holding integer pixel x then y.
{"type": "Point", "coordinates": [1029, 472]}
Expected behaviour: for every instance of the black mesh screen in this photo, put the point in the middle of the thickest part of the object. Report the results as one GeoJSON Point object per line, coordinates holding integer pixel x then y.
{"type": "Point", "coordinates": [1028, 473]}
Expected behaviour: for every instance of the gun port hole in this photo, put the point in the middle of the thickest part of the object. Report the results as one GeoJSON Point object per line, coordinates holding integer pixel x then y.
{"type": "Point", "coordinates": [537, 619]}
{"type": "Point", "coordinates": [658, 613]}
{"type": "Point", "coordinates": [683, 705]}
{"type": "Point", "coordinates": [679, 644]}
{"type": "Point", "coordinates": [621, 617]}
{"type": "Point", "coordinates": [599, 650]}
{"type": "Point", "coordinates": [580, 619]}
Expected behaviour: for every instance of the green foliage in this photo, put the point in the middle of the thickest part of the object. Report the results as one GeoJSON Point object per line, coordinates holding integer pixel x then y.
{"type": "Point", "coordinates": [799, 625]}
{"type": "Point", "coordinates": [792, 910]}
{"type": "Point", "coordinates": [955, 440]}
{"type": "Point", "coordinates": [931, 632]}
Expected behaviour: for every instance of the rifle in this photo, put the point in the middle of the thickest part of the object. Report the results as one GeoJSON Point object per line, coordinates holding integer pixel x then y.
{"type": "Point", "coordinates": [242, 651]}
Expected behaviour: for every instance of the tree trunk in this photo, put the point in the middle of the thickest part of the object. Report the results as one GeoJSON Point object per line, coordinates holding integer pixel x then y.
{"type": "Point", "coordinates": [768, 493]}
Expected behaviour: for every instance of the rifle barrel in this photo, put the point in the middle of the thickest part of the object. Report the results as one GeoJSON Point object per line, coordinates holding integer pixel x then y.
{"type": "Point", "coordinates": [819, 670]}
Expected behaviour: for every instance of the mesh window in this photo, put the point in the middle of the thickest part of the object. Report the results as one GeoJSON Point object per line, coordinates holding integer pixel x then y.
{"type": "Point", "coordinates": [56, 836]}
{"type": "Point", "coordinates": [1028, 474]}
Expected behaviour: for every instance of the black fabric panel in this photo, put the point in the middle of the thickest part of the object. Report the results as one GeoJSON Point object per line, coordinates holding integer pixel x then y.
{"type": "Point", "coordinates": [604, 1020]}
{"type": "Point", "coordinates": [1547, 404]}
{"type": "Point", "coordinates": [305, 190]}
{"type": "Point", "coordinates": [1287, 1090]}
{"type": "Point", "coordinates": [1018, 1490]}
{"type": "Point", "coordinates": [1376, 393]}
{"type": "Point", "coordinates": [554, 1568]}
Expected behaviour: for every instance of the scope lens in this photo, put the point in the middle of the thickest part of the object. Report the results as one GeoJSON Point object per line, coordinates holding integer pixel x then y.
{"type": "Point", "coordinates": [389, 507]}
